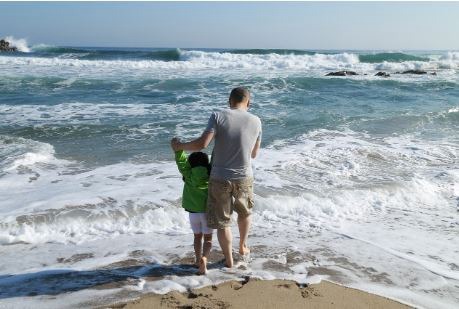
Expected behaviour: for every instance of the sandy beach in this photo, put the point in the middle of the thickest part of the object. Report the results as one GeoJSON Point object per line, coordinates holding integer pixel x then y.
{"type": "Point", "coordinates": [253, 293]}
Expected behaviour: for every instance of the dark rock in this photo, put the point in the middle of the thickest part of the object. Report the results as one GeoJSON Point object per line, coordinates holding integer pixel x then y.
{"type": "Point", "coordinates": [5, 46]}
{"type": "Point", "coordinates": [341, 73]}
{"type": "Point", "coordinates": [419, 72]}
{"type": "Point", "coordinates": [382, 74]}
{"type": "Point", "coordinates": [433, 73]}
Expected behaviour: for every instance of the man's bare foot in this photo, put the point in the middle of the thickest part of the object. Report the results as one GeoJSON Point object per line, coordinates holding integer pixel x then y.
{"type": "Point", "coordinates": [244, 250]}
{"type": "Point", "coordinates": [203, 266]}
{"type": "Point", "coordinates": [225, 264]}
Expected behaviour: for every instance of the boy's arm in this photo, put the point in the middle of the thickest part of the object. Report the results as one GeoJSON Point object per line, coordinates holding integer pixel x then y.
{"type": "Point", "coordinates": [182, 163]}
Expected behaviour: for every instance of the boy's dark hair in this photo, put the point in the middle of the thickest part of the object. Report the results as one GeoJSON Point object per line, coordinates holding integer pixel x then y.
{"type": "Point", "coordinates": [199, 159]}
{"type": "Point", "coordinates": [238, 95]}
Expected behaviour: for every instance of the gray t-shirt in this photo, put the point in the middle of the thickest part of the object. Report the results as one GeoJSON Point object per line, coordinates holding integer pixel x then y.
{"type": "Point", "coordinates": [236, 132]}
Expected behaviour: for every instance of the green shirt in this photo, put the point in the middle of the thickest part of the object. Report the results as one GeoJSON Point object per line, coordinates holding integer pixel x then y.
{"type": "Point", "coordinates": [194, 197]}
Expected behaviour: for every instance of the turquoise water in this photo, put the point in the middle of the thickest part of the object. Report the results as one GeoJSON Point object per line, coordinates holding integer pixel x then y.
{"type": "Point", "coordinates": [76, 108]}
{"type": "Point", "coordinates": [359, 162]}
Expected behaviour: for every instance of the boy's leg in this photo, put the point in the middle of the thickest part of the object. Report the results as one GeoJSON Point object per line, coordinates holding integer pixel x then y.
{"type": "Point", "coordinates": [205, 253]}
{"type": "Point", "coordinates": [195, 222]}
{"type": "Point", "coordinates": [207, 235]}
{"type": "Point", "coordinates": [207, 245]}
{"type": "Point", "coordinates": [197, 248]}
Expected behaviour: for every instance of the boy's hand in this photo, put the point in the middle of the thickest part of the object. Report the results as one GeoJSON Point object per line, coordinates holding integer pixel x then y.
{"type": "Point", "coordinates": [175, 143]}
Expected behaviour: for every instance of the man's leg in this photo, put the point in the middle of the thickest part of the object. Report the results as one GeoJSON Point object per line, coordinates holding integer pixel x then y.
{"type": "Point", "coordinates": [225, 240]}
{"type": "Point", "coordinates": [244, 223]}
{"type": "Point", "coordinates": [219, 215]}
{"type": "Point", "coordinates": [243, 204]}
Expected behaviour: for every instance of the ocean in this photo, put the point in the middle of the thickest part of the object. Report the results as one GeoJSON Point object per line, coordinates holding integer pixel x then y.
{"type": "Point", "coordinates": [357, 180]}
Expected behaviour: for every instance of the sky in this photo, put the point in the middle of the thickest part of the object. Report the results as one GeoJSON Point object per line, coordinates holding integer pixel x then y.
{"type": "Point", "coordinates": [300, 25]}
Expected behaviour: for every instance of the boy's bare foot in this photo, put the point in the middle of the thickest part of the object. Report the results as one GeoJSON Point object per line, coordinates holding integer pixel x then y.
{"type": "Point", "coordinates": [203, 266]}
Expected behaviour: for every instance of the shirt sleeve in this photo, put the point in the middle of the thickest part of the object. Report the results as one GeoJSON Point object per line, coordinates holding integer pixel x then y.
{"type": "Point", "coordinates": [212, 123]}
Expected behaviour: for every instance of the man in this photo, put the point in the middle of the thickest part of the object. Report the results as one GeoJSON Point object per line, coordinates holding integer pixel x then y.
{"type": "Point", "coordinates": [237, 135]}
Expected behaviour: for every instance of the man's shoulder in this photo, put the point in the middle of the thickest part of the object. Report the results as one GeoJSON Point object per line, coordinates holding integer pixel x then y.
{"type": "Point", "coordinates": [255, 117]}
{"type": "Point", "coordinates": [235, 114]}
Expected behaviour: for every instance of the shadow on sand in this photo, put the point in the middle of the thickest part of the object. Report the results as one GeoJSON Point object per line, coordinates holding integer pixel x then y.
{"type": "Point", "coordinates": [58, 281]}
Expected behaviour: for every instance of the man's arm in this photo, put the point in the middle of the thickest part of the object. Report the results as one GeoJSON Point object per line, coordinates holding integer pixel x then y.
{"type": "Point", "coordinates": [256, 148]}
{"type": "Point", "coordinates": [197, 144]}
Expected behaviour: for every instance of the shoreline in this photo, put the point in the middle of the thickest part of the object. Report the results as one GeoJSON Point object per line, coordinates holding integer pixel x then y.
{"type": "Point", "coordinates": [256, 293]}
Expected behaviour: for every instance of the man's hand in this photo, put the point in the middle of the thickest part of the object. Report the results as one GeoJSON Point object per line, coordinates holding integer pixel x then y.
{"type": "Point", "coordinates": [175, 142]}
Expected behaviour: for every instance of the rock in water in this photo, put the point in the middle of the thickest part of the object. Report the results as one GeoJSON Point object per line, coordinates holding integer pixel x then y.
{"type": "Point", "coordinates": [5, 46]}
{"type": "Point", "coordinates": [382, 74]}
{"type": "Point", "coordinates": [341, 73]}
{"type": "Point", "coordinates": [419, 72]}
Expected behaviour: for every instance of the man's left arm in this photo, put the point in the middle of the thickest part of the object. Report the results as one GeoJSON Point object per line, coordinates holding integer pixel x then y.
{"type": "Point", "coordinates": [256, 147]}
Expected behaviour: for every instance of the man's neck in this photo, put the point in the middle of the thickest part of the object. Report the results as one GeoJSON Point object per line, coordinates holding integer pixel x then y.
{"type": "Point", "coordinates": [240, 107]}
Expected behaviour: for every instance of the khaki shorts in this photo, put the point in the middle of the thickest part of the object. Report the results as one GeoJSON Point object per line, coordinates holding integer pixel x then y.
{"type": "Point", "coordinates": [226, 196]}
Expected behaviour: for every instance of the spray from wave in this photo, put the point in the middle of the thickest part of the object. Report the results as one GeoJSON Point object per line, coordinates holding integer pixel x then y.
{"type": "Point", "coordinates": [20, 44]}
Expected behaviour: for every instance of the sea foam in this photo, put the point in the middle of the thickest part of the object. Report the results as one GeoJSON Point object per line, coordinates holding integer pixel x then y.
{"type": "Point", "coordinates": [20, 44]}
{"type": "Point", "coordinates": [200, 60]}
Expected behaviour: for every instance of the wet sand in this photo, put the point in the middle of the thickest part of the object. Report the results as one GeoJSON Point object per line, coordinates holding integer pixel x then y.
{"type": "Point", "coordinates": [253, 293]}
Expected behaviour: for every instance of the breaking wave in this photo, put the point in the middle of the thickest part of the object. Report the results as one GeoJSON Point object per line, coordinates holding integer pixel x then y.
{"type": "Point", "coordinates": [20, 44]}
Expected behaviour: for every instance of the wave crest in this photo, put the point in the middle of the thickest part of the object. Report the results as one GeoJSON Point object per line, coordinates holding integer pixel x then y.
{"type": "Point", "coordinates": [20, 44]}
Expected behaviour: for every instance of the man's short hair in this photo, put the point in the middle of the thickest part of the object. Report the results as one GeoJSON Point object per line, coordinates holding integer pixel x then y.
{"type": "Point", "coordinates": [238, 95]}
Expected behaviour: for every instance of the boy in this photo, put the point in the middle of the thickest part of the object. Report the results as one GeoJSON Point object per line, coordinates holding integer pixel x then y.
{"type": "Point", "coordinates": [195, 171]}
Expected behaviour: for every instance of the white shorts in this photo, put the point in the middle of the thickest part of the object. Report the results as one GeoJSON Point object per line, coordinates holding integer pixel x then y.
{"type": "Point", "coordinates": [198, 222]}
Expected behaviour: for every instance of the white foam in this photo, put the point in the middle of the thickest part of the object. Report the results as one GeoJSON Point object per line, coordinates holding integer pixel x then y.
{"type": "Point", "coordinates": [72, 113]}
{"type": "Point", "coordinates": [365, 207]}
{"type": "Point", "coordinates": [200, 60]}
{"type": "Point", "coordinates": [251, 61]}
{"type": "Point", "coordinates": [20, 44]}
{"type": "Point", "coordinates": [46, 154]}
{"type": "Point", "coordinates": [454, 56]}
{"type": "Point", "coordinates": [193, 60]}
{"type": "Point", "coordinates": [16, 152]}
{"type": "Point", "coordinates": [147, 193]}
{"type": "Point", "coordinates": [102, 202]}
